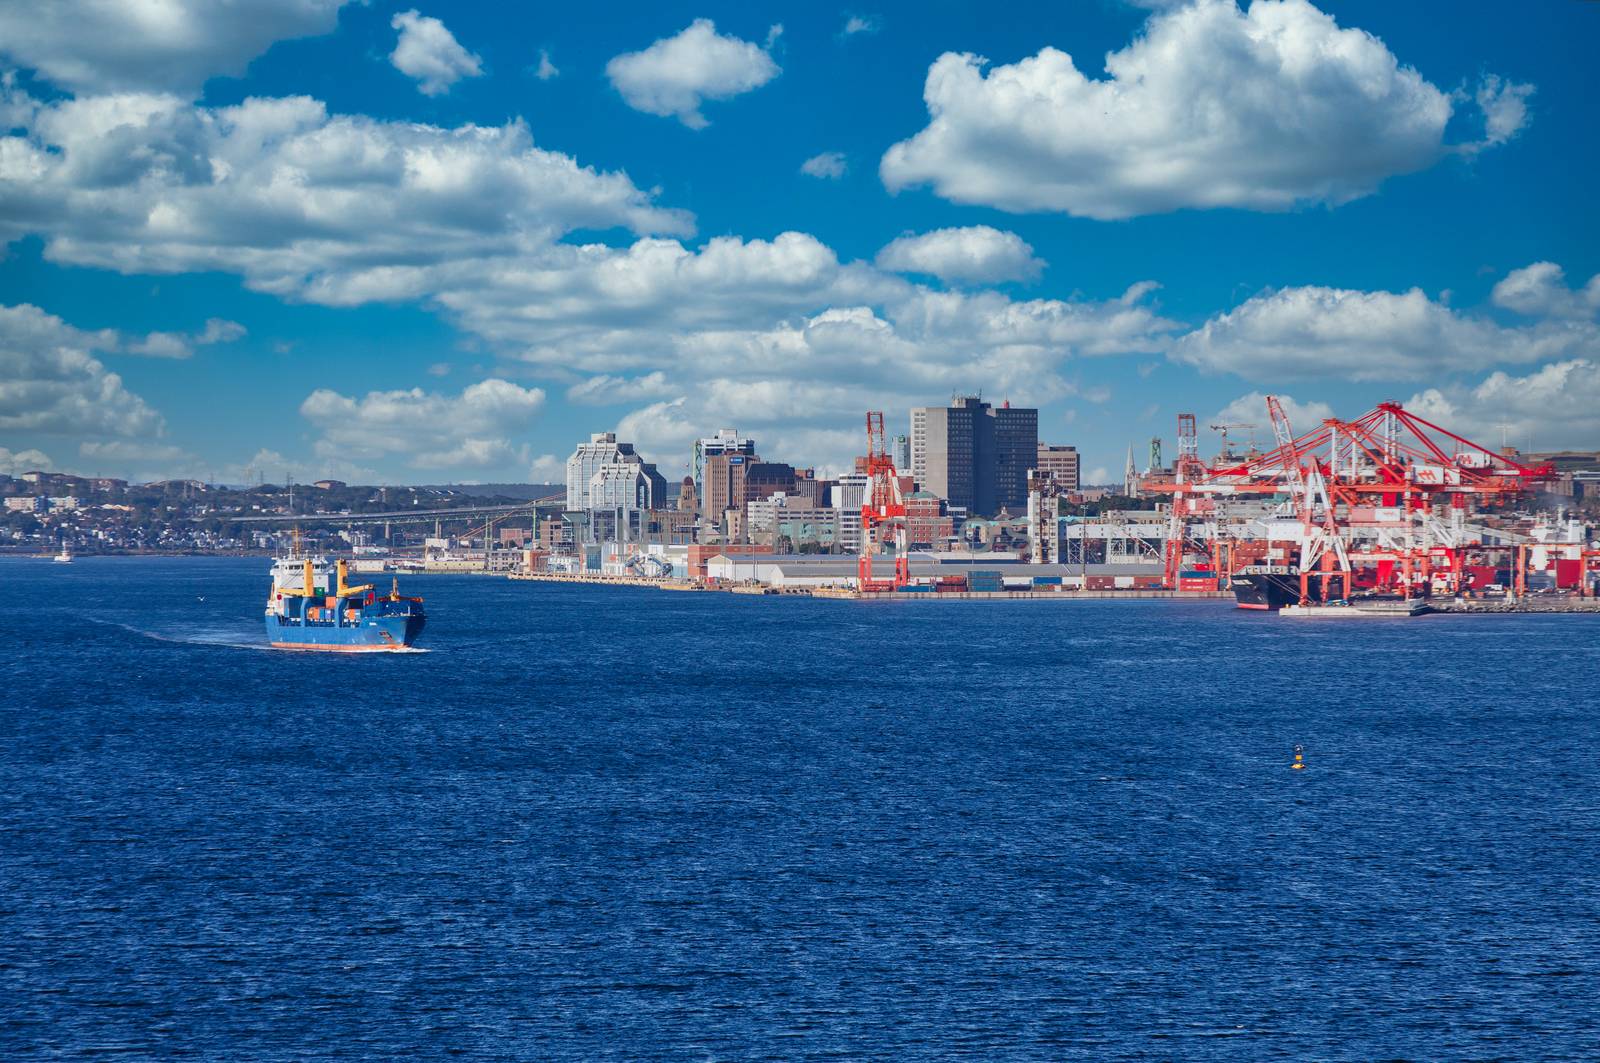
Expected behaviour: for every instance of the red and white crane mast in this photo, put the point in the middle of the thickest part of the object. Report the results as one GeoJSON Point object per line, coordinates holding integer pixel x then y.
{"type": "Point", "coordinates": [882, 508]}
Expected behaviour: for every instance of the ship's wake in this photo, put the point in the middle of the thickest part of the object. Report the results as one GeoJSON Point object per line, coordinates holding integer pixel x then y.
{"type": "Point", "coordinates": [218, 637]}
{"type": "Point", "coordinates": [234, 639]}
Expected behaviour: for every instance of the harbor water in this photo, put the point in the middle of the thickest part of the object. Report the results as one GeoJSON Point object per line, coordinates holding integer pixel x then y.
{"type": "Point", "coordinates": [611, 823]}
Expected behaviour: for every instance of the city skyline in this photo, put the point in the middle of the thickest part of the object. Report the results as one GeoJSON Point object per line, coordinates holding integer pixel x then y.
{"type": "Point", "coordinates": [397, 245]}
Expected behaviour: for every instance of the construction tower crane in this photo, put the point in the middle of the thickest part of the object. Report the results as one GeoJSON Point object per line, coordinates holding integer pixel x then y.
{"type": "Point", "coordinates": [1227, 452]}
{"type": "Point", "coordinates": [883, 509]}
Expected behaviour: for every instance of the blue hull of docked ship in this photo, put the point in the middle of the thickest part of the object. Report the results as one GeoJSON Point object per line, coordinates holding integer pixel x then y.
{"type": "Point", "coordinates": [370, 633]}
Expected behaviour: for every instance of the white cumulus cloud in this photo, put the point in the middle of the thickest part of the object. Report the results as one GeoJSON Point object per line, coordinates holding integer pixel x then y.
{"type": "Point", "coordinates": [1251, 409]}
{"type": "Point", "coordinates": [1211, 106]}
{"type": "Point", "coordinates": [809, 378]}
{"type": "Point", "coordinates": [430, 54]}
{"type": "Point", "coordinates": [974, 254]}
{"type": "Point", "coordinates": [1557, 406]}
{"type": "Point", "coordinates": [675, 75]}
{"type": "Point", "coordinates": [604, 390]}
{"type": "Point", "coordinates": [1296, 333]}
{"type": "Point", "coordinates": [182, 345]}
{"type": "Point", "coordinates": [474, 430]}
{"type": "Point", "coordinates": [299, 202]}
{"type": "Point", "coordinates": [155, 45]}
{"type": "Point", "coordinates": [1540, 290]}
{"type": "Point", "coordinates": [1505, 110]}
{"type": "Point", "coordinates": [547, 469]}
{"type": "Point", "coordinates": [51, 383]}
{"type": "Point", "coordinates": [17, 462]}
{"type": "Point", "coordinates": [739, 322]}
{"type": "Point", "coordinates": [830, 165]}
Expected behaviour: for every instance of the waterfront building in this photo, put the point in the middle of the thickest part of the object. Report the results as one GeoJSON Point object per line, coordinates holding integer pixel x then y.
{"type": "Point", "coordinates": [808, 527]}
{"type": "Point", "coordinates": [699, 554]}
{"type": "Point", "coordinates": [627, 486]}
{"type": "Point", "coordinates": [763, 479]}
{"type": "Point", "coordinates": [846, 495]}
{"type": "Point", "coordinates": [554, 533]}
{"type": "Point", "coordinates": [602, 449]}
{"type": "Point", "coordinates": [671, 527]}
{"type": "Point", "coordinates": [973, 454]}
{"type": "Point", "coordinates": [808, 487]}
{"type": "Point", "coordinates": [928, 523]}
{"type": "Point", "coordinates": [726, 441]}
{"type": "Point", "coordinates": [722, 482]}
{"type": "Point", "coordinates": [620, 486]}
{"type": "Point", "coordinates": [1060, 464]}
{"type": "Point", "coordinates": [796, 519]}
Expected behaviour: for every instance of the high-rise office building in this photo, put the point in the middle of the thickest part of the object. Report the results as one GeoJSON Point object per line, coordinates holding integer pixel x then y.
{"type": "Point", "coordinates": [901, 452]}
{"type": "Point", "coordinates": [846, 495]}
{"type": "Point", "coordinates": [605, 476]}
{"type": "Point", "coordinates": [726, 441]}
{"type": "Point", "coordinates": [975, 455]}
{"type": "Point", "coordinates": [601, 450]}
{"type": "Point", "coordinates": [1060, 464]}
{"type": "Point", "coordinates": [722, 483]}
{"type": "Point", "coordinates": [627, 487]}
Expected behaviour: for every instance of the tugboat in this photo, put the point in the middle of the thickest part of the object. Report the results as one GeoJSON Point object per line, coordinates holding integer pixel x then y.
{"type": "Point", "coordinates": [312, 607]}
{"type": "Point", "coordinates": [1266, 586]}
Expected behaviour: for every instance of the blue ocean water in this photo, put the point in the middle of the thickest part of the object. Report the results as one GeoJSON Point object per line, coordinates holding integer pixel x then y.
{"type": "Point", "coordinates": [608, 823]}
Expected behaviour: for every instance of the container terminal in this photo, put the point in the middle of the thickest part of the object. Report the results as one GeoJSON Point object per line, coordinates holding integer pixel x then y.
{"type": "Point", "coordinates": [1388, 515]}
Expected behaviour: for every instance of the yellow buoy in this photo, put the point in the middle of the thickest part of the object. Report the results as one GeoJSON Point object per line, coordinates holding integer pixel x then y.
{"type": "Point", "coordinates": [1299, 759]}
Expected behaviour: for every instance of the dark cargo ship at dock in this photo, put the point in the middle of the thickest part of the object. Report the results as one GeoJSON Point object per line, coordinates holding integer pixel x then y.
{"type": "Point", "coordinates": [1266, 587]}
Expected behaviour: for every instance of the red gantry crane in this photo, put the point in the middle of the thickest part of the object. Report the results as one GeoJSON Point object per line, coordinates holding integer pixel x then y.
{"type": "Point", "coordinates": [882, 509]}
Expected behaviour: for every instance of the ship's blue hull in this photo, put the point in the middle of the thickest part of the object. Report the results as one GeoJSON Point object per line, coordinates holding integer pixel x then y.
{"type": "Point", "coordinates": [395, 631]}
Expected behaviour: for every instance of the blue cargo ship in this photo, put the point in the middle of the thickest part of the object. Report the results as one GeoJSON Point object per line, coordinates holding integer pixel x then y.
{"type": "Point", "coordinates": [313, 607]}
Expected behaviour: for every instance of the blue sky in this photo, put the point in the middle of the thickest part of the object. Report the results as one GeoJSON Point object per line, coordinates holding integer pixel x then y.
{"type": "Point", "coordinates": [407, 244]}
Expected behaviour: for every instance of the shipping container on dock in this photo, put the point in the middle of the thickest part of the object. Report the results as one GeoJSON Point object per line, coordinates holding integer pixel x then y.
{"type": "Point", "coordinates": [1197, 580]}
{"type": "Point", "coordinates": [985, 580]}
